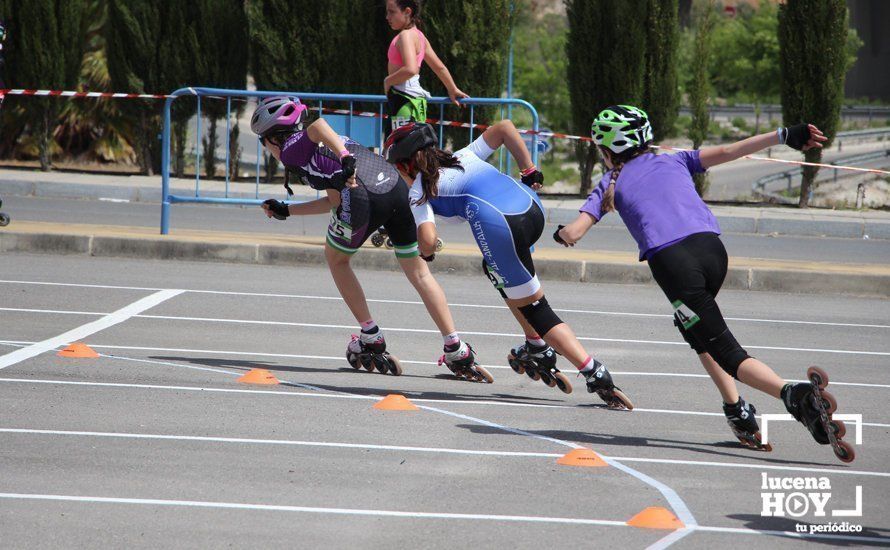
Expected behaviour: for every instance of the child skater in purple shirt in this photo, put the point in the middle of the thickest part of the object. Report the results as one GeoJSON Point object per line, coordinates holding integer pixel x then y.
{"type": "Point", "coordinates": [679, 238]}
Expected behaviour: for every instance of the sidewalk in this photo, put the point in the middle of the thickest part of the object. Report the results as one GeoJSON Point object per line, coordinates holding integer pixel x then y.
{"type": "Point", "coordinates": [733, 219]}
{"type": "Point", "coordinates": [552, 263]}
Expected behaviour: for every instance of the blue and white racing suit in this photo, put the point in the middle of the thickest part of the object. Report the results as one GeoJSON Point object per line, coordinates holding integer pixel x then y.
{"type": "Point", "coordinates": [506, 217]}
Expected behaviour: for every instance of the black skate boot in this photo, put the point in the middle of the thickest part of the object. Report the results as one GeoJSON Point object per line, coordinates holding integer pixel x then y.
{"type": "Point", "coordinates": [800, 400]}
{"type": "Point", "coordinates": [372, 354]}
{"type": "Point", "coordinates": [539, 363]}
{"type": "Point", "coordinates": [4, 219]}
{"type": "Point", "coordinates": [743, 424]}
{"type": "Point", "coordinates": [462, 362]}
{"type": "Point", "coordinates": [599, 381]}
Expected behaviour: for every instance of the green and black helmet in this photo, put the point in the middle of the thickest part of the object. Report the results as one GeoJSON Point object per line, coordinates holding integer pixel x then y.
{"type": "Point", "coordinates": [621, 127]}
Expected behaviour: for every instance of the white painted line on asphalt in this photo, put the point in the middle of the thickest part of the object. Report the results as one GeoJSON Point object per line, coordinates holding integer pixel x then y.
{"type": "Point", "coordinates": [55, 311]}
{"type": "Point", "coordinates": [404, 361]}
{"type": "Point", "coordinates": [418, 515]}
{"type": "Point", "coordinates": [343, 395]}
{"type": "Point", "coordinates": [311, 509]}
{"type": "Point", "coordinates": [417, 303]}
{"type": "Point", "coordinates": [463, 332]}
{"type": "Point", "coordinates": [88, 329]}
{"type": "Point", "coordinates": [442, 450]}
{"type": "Point", "coordinates": [253, 441]}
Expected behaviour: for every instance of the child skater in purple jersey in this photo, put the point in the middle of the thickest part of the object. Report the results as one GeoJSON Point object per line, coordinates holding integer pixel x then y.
{"type": "Point", "coordinates": [679, 238]}
{"type": "Point", "coordinates": [361, 192]}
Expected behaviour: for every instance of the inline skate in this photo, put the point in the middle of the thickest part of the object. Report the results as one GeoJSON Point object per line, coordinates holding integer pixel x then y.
{"type": "Point", "coordinates": [599, 381]}
{"type": "Point", "coordinates": [462, 362]}
{"type": "Point", "coordinates": [371, 354]}
{"type": "Point", "coordinates": [539, 363]}
{"type": "Point", "coordinates": [742, 422]}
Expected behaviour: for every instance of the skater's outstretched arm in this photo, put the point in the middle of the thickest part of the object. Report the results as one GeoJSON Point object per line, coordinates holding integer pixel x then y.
{"type": "Point", "coordinates": [505, 133]}
{"type": "Point", "coordinates": [801, 137]}
{"type": "Point", "coordinates": [323, 205]}
{"type": "Point", "coordinates": [568, 235]}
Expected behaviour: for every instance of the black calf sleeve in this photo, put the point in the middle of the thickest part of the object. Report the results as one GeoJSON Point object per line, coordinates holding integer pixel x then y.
{"type": "Point", "coordinates": [540, 316]}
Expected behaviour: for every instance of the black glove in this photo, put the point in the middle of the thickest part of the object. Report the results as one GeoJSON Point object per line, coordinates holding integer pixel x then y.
{"type": "Point", "coordinates": [533, 178]}
{"type": "Point", "coordinates": [796, 136]}
{"type": "Point", "coordinates": [429, 258]}
{"type": "Point", "coordinates": [557, 238]}
{"type": "Point", "coordinates": [348, 165]}
{"type": "Point", "coordinates": [278, 209]}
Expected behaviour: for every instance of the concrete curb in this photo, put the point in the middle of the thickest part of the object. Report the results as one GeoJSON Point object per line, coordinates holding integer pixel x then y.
{"type": "Point", "coordinates": [583, 271]}
{"type": "Point", "coordinates": [757, 223]}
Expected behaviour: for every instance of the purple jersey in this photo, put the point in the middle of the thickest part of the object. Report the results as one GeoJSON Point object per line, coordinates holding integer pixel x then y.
{"type": "Point", "coordinates": [315, 164]}
{"type": "Point", "coordinates": [656, 198]}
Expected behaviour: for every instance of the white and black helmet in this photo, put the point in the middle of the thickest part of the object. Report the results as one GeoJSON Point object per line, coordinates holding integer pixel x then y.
{"type": "Point", "coordinates": [278, 114]}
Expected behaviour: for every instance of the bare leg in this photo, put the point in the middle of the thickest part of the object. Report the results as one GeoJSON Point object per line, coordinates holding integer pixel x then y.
{"type": "Point", "coordinates": [760, 377]}
{"type": "Point", "coordinates": [561, 337]}
{"type": "Point", "coordinates": [724, 382]}
{"type": "Point", "coordinates": [347, 283]}
{"type": "Point", "coordinates": [418, 273]}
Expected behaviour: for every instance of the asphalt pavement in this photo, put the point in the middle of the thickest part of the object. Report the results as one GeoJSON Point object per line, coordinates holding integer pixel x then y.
{"type": "Point", "coordinates": [155, 443]}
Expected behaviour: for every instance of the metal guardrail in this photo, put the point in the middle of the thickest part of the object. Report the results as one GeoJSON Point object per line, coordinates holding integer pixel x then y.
{"type": "Point", "coordinates": [314, 100]}
{"type": "Point", "coordinates": [759, 186]}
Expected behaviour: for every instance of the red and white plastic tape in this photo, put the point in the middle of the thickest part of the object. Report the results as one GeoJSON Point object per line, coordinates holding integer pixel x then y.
{"type": "Point", "coordinates": [449, 123]}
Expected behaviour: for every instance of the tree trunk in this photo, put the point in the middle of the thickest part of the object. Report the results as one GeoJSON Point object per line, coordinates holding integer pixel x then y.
{"type": "Point", "coordinates": [234, 151]}
{"type": "Point", "coordinates": [808, 180]}
{"type": "Point", "coordinates": [180, 131]}
{"type": "Point", "coordinates": [588, 156]}
{"type": "Point", "coordinates": [43, 141]}
{"type": "Point", "coordinates": [143, 145]}
{"type": "Point", "coordinates": [209, 143]}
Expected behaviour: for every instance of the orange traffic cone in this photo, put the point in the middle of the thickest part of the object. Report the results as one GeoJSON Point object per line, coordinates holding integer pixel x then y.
{"type": "Point", "coordinates": [259, 376]}
{"type": "Point", "coordinates": [395, 402]}
{"type": "Point", "coordinates": [582, 457]}
{"type": "Point", "coordinates": [78, 350]}
{"type": "Point", "coordinates": [656, 517]}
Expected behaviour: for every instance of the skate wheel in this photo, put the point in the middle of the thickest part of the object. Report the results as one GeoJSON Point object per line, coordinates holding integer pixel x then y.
{"type": "Point", "coordinates": [547, 379]}
{"type": "Point", "coordinates": [844, 451]}
{"type": "Point", "coordinates": [818, 377]}
{"type": "Point", "coordinates": [839, 428]}
{"type": "Point", "coordinates": [829, 403]}
{"type": "Point", "coordinates": [533, 375]}
{"type": "Point", "coordinates": [353, 361]}
{"type": "Point", "coordinates": [381, 365]}
{"type": "Point", "coordinates": [622, 399]}
{"type": "Point", "coordinates": [562, 382]}
{"type": "Point", "coordinates": [395, 366]}
{"type": "Point", "coordinates": [482, 375]}
{"type": "Point", "coordinates": [515, 365]}
{"type": "Point", "coordinates": [439, 245]}
{"type": "Point", "coordinates": [377, 240]}
{"type": "Point", "coordinates": [368, 363]}
{"type": "Point", "coordinates": [4, 220]}
{"type": "Point", "coordinates": [388, 244]}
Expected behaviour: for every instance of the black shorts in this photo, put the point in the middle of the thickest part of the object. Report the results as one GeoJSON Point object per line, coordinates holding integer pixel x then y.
{"type": "Point", "coordinates": [360, 214]}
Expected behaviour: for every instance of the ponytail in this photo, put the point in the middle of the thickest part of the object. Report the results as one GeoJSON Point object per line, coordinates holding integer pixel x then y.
{"type": "Point", "coordinates": [618, 160]}
{"type": "Point", "coordinates": [428, 161]}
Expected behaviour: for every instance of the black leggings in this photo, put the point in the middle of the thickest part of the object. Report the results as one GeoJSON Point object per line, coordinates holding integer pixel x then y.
{"type": "Point", "coordinates": [691, 273]}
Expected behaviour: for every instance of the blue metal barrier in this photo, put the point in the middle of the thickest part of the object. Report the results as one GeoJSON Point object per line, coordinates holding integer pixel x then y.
{"type": "Point", "coordinates": [353, 126]}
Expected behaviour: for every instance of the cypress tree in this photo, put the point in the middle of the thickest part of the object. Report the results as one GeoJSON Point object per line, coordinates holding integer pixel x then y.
{"type": "Point", "coordinates": [661, 99]}
{"type": "Point", "coordinates": [471, 37]}
{"type": "Point", "coordinates": [813, 64]}
{"type": "Point", "coordinates": [132, 34]}
{"type": "Point", "coordinates": [606, 62]}
{"type": "Point", "coordinates": [222, 40]}
{"type": "Point", "coordinates": [45, 47]}
{"type": "Point", "coordinates": [699, 89]}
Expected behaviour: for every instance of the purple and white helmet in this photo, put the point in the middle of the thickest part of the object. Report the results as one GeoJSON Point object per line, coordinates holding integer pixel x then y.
{"type": "Point", "coordinates": [277, 114]}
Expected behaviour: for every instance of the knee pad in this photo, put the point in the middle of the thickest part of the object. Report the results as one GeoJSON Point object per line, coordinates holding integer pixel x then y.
{"type": "Point", "coordinates": [540, 316]}
{"type": "Point", "coordinates": [727, 352]}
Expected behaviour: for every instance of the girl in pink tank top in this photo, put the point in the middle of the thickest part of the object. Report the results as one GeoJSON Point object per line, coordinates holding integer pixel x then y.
{"type": "Point", "coordinates": [407, 51]}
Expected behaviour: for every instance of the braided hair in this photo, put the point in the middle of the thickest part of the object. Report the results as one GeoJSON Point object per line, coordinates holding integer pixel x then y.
{"type": "Point", "coordinates": [618, 162]}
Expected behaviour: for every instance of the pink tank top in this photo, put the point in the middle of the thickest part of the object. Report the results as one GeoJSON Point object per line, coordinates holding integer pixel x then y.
{"type": "Point", "coordinates": [395, 56]}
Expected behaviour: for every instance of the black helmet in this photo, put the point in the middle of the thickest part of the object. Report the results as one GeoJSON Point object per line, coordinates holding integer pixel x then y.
{"type": "Point", "coordinates": [406, 140]}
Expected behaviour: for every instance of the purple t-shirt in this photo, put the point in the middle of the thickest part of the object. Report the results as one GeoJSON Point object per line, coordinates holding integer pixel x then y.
{"type": "Point", "coordinates": [656, 198]}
